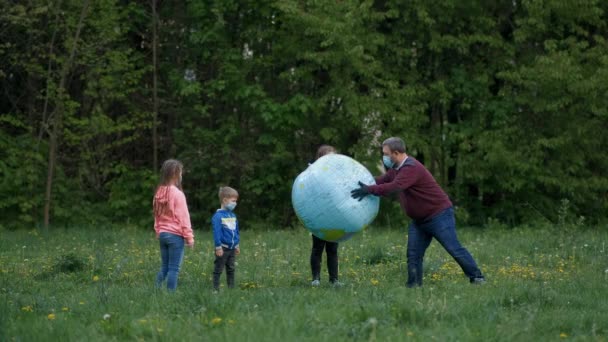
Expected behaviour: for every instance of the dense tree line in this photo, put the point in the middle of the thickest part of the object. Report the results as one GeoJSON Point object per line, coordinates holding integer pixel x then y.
{"type": "Point", "coordinates": [506, 102]}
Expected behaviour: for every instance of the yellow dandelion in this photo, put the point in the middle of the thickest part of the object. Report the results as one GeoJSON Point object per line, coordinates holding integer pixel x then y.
{"type": "Point", "coordinates": [563, 335]}
{"type": "Point", "coordinates": [81, 303]}
{"type": "Point", "coordinates": [216, 320]}
{"type": "Point", "coordinates": [28, 308]}
{"type": "Point", "coordinates": [51, 316]}
{"type": "Point", "coordinates": [374, 282]}
{"type": "Point", "coordinates": [95, 278]}
{"type": "Point", "coordinates": [409, 333]}
{"type": "Point", "coordinates": [65, 309]}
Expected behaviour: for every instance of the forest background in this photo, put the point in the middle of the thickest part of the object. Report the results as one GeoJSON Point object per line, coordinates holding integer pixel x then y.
{"type": "Point", "coordinates": [506, 103]}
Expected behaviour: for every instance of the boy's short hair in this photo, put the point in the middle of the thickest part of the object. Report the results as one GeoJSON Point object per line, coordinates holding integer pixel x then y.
{"type": "Point", "coordinates": [226, 192]}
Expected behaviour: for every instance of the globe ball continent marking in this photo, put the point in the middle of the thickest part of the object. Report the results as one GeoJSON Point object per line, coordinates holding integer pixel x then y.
{"type": "Point", "coordinates": [321, 198]}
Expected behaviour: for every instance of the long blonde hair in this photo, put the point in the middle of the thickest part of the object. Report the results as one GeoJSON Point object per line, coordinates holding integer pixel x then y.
{"type": "Point", "coordinates": [169, 172]}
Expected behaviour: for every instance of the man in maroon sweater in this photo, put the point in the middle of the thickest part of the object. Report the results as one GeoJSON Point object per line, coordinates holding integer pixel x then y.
{"type": "Point", "coordinates": [426, 203]}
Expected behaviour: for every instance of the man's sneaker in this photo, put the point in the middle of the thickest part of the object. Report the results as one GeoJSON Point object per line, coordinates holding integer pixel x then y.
{"type": "Point", "coordinates": [478, 281]}
{"type": "Point", "coordinates": [315, 282]}
{"type": "Point", "coordinates": [337, 284]}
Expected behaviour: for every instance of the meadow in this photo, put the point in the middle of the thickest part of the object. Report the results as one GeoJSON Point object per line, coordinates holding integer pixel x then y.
{"type": "Point", "coordinates": [544, 283]}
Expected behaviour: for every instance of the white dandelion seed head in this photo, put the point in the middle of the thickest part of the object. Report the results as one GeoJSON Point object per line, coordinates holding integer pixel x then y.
{"type": "Point", "coordinates": [189, 75]}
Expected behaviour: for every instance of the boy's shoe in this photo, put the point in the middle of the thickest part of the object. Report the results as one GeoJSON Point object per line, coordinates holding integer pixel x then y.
{"type": "Point", "coordinates": [315, 283]}
{"type": "Point", "coordinates": [478, 281]}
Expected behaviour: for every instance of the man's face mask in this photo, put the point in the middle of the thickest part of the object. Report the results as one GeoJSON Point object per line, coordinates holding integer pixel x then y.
{"type": "Point", "coordinates": [388, 162]}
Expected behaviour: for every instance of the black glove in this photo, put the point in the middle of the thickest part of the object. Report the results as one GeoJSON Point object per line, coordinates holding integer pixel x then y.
{"type": "Point", "coordinates": [361, 192]}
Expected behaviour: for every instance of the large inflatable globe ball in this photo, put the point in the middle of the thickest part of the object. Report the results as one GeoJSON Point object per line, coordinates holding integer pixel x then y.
{"type": "Point", "coordinates": [321, 198]}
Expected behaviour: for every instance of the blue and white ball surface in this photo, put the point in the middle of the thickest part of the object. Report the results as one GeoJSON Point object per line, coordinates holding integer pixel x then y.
{"type": "Point", "coordinates": [321, 198]}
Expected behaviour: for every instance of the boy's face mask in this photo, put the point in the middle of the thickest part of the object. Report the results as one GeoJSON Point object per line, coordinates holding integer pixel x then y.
{"type": "Point", "coordinates": [230, 205]}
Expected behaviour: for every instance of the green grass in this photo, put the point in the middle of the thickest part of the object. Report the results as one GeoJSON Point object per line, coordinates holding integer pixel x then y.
{"type": "Point", "coordinates": [544, 283]}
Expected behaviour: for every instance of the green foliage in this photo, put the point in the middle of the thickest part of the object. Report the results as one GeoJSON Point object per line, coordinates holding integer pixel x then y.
{"type": "Point", "coordinates": [22, 169]}
{"type": "Point", "coordinates": [505, 102]}
{"type": "Point", "coordinates": [130, 199]}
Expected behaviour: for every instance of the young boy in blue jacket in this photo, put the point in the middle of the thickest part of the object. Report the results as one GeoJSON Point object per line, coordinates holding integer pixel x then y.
{"type": "Point", "coordinates": [225, 236]}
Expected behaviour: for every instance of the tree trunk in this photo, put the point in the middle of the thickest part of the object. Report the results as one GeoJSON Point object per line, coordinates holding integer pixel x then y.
{"type": "Point", "coordinates": [444, 155]}
{"type": "Point", "coordinates": [58, 116]}
{"type": "Point", "coordinates": [435, 129]}
{"type": "Point", "coordinates": [154, 87]}
{"type": "Point", "coordinates": [44, 124]}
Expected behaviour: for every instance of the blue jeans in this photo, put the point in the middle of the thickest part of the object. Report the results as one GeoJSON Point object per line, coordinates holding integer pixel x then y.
{"type": "Point", "coordinates": [442, 227]}
{"type": "Point", "coordinates": [171, 255]}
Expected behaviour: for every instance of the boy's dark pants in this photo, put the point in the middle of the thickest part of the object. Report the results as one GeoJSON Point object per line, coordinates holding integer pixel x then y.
{"type": "Point", "coordinates": [317, 254]}
{"type": "Point", "coordinates": [227, 259]}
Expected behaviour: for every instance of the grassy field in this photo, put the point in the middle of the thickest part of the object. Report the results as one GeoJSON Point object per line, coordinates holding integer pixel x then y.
{"type": "Point", "coordinates": [544, 283]}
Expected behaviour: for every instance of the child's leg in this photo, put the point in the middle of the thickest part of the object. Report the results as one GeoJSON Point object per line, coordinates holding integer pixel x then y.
{"type": "Point", "coordinates": [230, 268]}
{"type": "Point", "coordinates": [164, 260]}
{"type": "Point", "coordinates": [219, 263]}
{"type": "Point", "coordinates": [332, 260]}
{"type": "Point", "coordinates": [176, 255]}
{"type": "Point", "coordinates": [316, 256]}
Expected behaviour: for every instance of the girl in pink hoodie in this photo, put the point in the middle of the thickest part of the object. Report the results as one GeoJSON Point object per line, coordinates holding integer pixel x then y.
{"type": "Point", "coordinates": [171, 222]}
